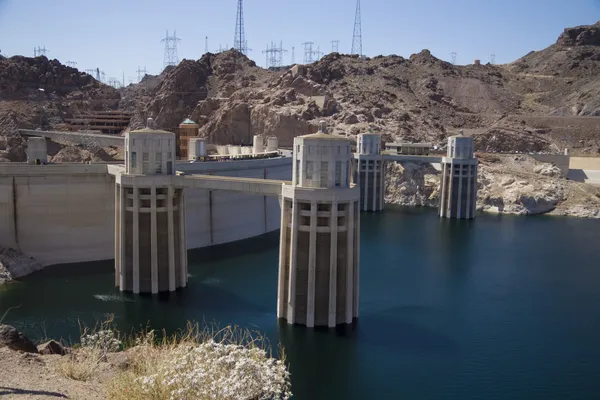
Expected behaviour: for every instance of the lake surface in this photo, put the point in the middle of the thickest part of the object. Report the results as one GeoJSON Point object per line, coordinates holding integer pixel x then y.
{"type": "Point", "coordinates": [500, 307]}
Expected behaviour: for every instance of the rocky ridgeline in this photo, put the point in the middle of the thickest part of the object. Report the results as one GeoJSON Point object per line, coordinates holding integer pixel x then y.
{"type": "Point", "coordinates": [504, 186]}
{"type": "Point", "coordinates": [584, 35]}
{"type": "Point", "coordinates": [22, 77]}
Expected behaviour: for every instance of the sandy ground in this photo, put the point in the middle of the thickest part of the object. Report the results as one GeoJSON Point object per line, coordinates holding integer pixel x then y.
{"type": "Point", "coordinates": [32, 376]}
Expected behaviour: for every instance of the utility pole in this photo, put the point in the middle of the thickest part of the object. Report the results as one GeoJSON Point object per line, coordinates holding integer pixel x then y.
{"type": "Point", "coordinates": [357, 35]}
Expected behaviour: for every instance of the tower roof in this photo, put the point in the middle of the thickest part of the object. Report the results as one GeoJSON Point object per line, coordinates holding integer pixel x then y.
{"type": "Point", "coordinates": [323, 136]}
{"type": "Point", "coordinates": [188, 121]}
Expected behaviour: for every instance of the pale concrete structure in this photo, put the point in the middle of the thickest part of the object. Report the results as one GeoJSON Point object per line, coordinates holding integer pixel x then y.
{"type": "Point", "coordinates": [37, 150]}
{"type": "Point", "coordinates": [319, 246]}
{"type": "Point", "coordinates": [197, 148]}
{"type": "Point", "coordinates": [369, 172]}
{"type": "Point", "coordinates": [258, 144]}
{"type": "Point", "coordinates": [459, 180]}
{"type": "Point", "coordinates": [75, 222]}
{"type": "Point", "coordinates": [415, 149]}
{"type": "Point", "coordinates": [150, 246]}
{"type": "Point", "coordinates": [272, 143]}
{"type": "Point", "coordinates": [187, 129]}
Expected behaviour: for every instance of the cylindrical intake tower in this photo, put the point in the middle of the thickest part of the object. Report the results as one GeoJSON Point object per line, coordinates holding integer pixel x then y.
{"type": "Point", "coordinates": [150, 248]}
{"type": "Point", "coordinates": [319, 250]}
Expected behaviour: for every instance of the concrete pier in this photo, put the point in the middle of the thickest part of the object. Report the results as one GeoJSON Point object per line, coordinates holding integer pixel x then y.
{"type": "Point", "coordinates": [150, 249]}
{"type": "Point", "coordinates": [320, 225]}
{"type": "Point", "coordinates": [369, 171]}
{"type": "Point", "coordinates": [459, 180]}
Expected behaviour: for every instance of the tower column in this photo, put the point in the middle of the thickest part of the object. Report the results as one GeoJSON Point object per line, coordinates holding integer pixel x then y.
{"type": "Point", "coordinates": [334, 226]}
{"type": "Point", "coordinates": [136, 243]}
{"type": "Point", "coordinates": [153, 241]}
{"type": "Point", "coordinates": [171, 232]}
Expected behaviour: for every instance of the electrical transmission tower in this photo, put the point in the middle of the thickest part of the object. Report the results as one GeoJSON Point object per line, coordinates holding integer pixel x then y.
{"type": "Point", "coordinates": [96, 73]}
{"type": "Point", "coordinates": [206, 45]}
{"type": "Point", "coordinates": [492, 59]}
{"type": "Point", "coordinates": [308, 52]}
{"type": "Point", "coordinates": [274, 55]}
{"type": "Point", "coordinates": [239, 40]}
{"type": "Point", "coordinates": [71, 64]}
{"type": "Point", "coordinates": [293, 55]}
{"type": "Point", "coordinates": [453, 55]}
{"type": "Point", "coordinates": [335, 46]}
{"type": "Point", "coordinates": [171, 57]}
{"type": "Point", "coordinates": [141, 73]}
{"type": "Point", "coordinates": [357, 36]}
{"type": "Point", "coordinates": [40, 51]}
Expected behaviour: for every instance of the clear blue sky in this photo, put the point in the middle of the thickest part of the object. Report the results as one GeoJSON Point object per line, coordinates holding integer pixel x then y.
{"type": "Point", "coordinates": [120, 35]}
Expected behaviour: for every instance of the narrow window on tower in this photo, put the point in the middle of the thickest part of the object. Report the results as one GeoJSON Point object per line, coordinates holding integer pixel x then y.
{"type": "Point", "coordinates": [158, 163]}
{"type": "Point", "coordinates": [145, 163]}
{"type": "Point", "coordinates": [324, 174]}
{"type": "Point", "coordinates": [133, 159]}
{"type": "Point", "coordinates": [309, 174]}
{"type": "Point", "coordinates": [298, 172]}
{"type": "Point", "coordinates": [338, 173]}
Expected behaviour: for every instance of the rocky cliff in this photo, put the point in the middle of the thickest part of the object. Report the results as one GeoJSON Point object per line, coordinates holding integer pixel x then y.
{"type": "Point", "coordinates": [14, 265]}
{"type": "Point", "coordinates": [506, 184]}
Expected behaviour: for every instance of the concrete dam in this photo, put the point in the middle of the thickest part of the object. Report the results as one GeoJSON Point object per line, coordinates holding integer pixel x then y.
{"type": "Point", "coordinates": [149, 211]}
{"type": "Point", "coordinates": [65, 213]}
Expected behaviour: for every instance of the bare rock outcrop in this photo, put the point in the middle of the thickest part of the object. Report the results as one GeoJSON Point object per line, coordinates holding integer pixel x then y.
{"type": "Point", "coordinates": [411, 184]}
{"type": "Point", "coordinates": [15, 340]}
{"type": "Point", "coordinates": [584, 35]}
{"type": "Point", "coordinates": [502, 188]}
{"type": "Point", "coordinates": [14, 265]}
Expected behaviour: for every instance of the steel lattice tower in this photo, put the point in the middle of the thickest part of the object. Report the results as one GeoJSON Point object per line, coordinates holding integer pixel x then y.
{"type": "Point", "coordinates": [170, 42]}
{"type": "Point", "coordinates": [335, 46]}
{"type": "Point", "coordinates": [239, 41]}
{"type": "Point", "coordinates": [357, 36]}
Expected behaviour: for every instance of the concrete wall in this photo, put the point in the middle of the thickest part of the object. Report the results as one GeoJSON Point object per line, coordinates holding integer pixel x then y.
{"type": "Point", "coordinates": [64, 213]}
{"type": "Point", "coordinates": [57, 213]}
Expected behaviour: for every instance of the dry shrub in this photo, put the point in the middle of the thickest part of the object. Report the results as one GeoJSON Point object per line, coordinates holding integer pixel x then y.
{"type": "Point", "coordinates": [81, 364]}
{"type": "Point", "coordinates": [210, 363]}
{"type": "Point", "coordinates": [95, 345]}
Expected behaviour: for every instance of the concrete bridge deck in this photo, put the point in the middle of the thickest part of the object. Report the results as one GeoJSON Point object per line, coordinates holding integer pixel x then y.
{"type": "Point", "coordinates": [264, 187]}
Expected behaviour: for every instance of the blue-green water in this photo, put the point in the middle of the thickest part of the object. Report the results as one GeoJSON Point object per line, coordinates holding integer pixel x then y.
{"type": "Point", "coordinates": [497, 308]}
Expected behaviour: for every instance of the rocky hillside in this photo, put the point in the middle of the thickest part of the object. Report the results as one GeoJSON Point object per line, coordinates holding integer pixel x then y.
{"type": "Point", "coordinates": [543, 102]}
{"type": "Point", "coordinates": [537, 103]}
{"type": "Point", "coordinates": [510, 184]}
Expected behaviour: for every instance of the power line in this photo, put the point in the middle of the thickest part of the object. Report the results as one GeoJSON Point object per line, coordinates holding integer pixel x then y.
{"type": "Point", "coordinates": [335, 46]}
{"type": "Point", "coordinates": [274, 55]}
{"type": "Point", "coordinates": [453, 55]}
{"type": "Point", "coordinates": [170, 42]}
{"type": "Point", "coordinates": [40, 51]}
{"type": "Point", "coordinates": [239, 40]}
{"type": "Point", "coordinates": [357, 35]}
{"type": "Point", "coordinates": [140, 72]}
